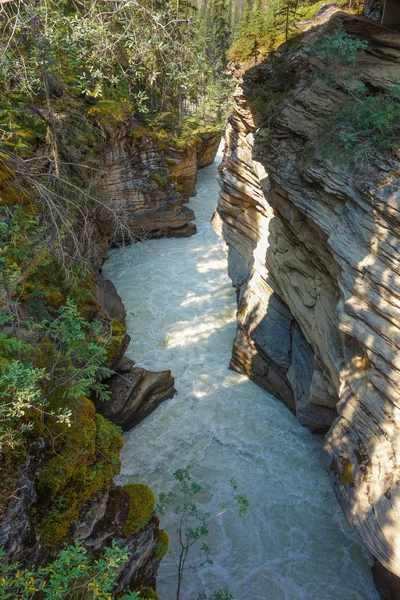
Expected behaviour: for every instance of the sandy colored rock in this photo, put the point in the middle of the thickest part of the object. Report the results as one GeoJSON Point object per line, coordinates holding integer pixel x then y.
{"type": "Point", "coordinates": [207, 150]}
{"type": "Point", "coordinates": [314, 255]}
{"type": "Point", "coordinates": [134, 184]}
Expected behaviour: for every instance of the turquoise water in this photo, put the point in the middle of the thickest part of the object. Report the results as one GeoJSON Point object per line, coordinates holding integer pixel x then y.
{"type": "Point", "coordinates": [295, 544]}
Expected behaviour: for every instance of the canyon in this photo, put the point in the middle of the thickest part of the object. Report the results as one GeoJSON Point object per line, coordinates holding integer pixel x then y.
{"type": "Point", "coordinates": [181, 310]}
{"type": "Point", "coordinates": [303, 285]}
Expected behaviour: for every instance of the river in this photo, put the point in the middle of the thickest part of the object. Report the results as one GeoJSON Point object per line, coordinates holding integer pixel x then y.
{"type": "Point", "coordinates": [295, 543]}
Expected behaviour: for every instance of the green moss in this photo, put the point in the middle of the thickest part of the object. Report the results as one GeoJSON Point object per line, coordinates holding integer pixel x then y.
{"type": "Point", "coordinates": [346, 476]}
{"type": "Point", "coordinates": [162, 542]}
{"type": "Point", "coordinates": [159, 179]}
{"type": "Point", "coordinates": [109, 113]}
{"type": "Point", "coordinates": [116, 342]}
{"type": "Point", "coordinates": [141, 507]}
{"type": "Point", "coordinates": [86, 462]}
{"type": "Point", "coordinates": [147, 593]}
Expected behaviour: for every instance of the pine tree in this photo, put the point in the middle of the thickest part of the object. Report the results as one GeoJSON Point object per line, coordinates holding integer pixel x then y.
{"type": "Point", "coordinates": [246, 16]}
{"type": "Point", "coordinates": [220, 28]}
{"type": "Point", "coordinates": [287, 11]}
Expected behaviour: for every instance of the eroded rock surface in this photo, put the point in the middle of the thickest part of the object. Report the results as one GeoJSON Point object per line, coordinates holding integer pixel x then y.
{"type": "Point", "coordinates": [314, 255]}
{"type": "Point", "coordinates": [135, 184]}
{"type": "Point", "coordinates": [135, 393]}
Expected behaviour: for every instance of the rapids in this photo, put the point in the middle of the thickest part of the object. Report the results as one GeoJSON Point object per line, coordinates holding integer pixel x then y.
{"type": "Point", "coordinates": [295, 543]}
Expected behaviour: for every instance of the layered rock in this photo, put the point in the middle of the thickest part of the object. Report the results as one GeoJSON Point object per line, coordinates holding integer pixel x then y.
{"type": "Point", "coordinates": [135, 393]}
{"type": "Point", "coordinates": [183, 167]}
{"type": "Point", "coordinates": [141, 199]}
{"type": "Point", "coordinates": [207, 149]}
{"type": "Point", "coordinates": [314, 255]}
{"type": "Point", "coordinates": [184, 163]}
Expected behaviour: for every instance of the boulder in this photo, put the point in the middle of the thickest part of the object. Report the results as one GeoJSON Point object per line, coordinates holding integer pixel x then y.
{"type": "Point", "coordinates": [135, 394]}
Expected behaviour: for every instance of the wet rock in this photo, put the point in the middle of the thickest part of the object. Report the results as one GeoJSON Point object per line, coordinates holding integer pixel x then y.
{"type": "Point", "coordinates": [387, 584]}
{"type": "Point", "coordinates": [135, 394]}
{"type": "Point", "coordinates": [142, 565]}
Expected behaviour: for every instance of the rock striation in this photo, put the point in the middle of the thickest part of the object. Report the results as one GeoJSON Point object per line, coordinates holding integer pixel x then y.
{"type": "Point", "coordinates": [143, 185]}
{"type": "Point", "coordinates": [136, 185]}
{"type": "Point", "coordinates": [135, 393]}
{"type": "Point", "coordinates": [314, 255]}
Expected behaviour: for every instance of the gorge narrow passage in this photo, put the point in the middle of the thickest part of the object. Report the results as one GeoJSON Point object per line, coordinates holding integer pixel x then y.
{"type": "Point", "coordinates": [295, 544]}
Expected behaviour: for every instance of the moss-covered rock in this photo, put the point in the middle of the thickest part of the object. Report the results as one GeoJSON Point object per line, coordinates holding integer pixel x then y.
{"type": "Point", "coordinates": [162, 543]}
{"type": "Point", "coordinates": [86, 462]}
{"type": "Point", "coordinates": [141, 507]}
{"type": "Point", "coordinates": [147, 593]}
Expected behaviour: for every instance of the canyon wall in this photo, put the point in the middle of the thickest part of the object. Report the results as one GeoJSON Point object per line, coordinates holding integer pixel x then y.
{"type": "Point", "coordinates": [61, 489]}
{"type": "Point", "coordinates": [144, 184]}
{"type": "Point", "coordinates": [314, 255]}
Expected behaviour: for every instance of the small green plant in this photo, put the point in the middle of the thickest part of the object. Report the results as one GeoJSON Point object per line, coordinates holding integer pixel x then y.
{"type": "Point", "coordinates": [74, 356]}
{"type": "Point", "coordinates": [192, 525]}
{"type": "Point", "coordinates": [339, 47]}
{"type": "Point", "coordinates": [365, 120]}
{"type": "Point", "coordinates": [74, 575]}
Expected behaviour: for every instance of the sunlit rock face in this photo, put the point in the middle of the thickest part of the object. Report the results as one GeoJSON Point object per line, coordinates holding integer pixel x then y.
{"type": "Point", "coordinates": [295, 543]}
{"type": "Point", "coordinates": [314, 253]}
{"type": "Point", "coordinates": [135, 183]}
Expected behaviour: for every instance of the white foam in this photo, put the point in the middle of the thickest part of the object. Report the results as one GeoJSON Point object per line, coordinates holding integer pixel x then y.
{"type": "Point", "coordinates": [295, 543]}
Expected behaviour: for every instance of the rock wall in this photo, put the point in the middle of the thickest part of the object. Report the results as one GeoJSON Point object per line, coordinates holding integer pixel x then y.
{"type": "Point", "coordinates": [33, 527]}
{"type": "Point", "coordinates": [144, 185]}
{"type": "Point", "coordinates": [137, 185]}
{"type": "Point", "coordinates": [314, 255]}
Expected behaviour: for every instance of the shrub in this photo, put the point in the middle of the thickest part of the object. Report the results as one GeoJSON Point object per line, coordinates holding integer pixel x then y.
{"type": "Point", "coordinates": [74, 575]}
{"type": "Point", "coordinates": [339, 47]}
{"type": "Point", "coordinates": [366, 120]}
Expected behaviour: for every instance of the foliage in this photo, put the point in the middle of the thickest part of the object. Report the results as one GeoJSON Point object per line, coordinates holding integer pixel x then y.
{"type": "Point", "coordinates": [87, 460]}
{"type": "Point", "coordinates": [339, 47]}
{"type": "Point", "coordinates": [370, 122]}
{"type": "Point", "coordinates": [192, 525]}
{"type": "Point", "coordinates": [71, 360]}
{"type": "Point", "coordinates": [264, 25]}
{"type": "Point", "coordinates": [149, 55]}
{"type": "Point", "coordinates": [74, 575]}
{"type": "Point", "coordinates": [366, 119]}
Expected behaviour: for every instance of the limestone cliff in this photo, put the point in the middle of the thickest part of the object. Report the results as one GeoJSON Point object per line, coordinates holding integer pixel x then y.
{"type": "Point", "coordinates": [144, 184]}
{"type": "Point", "coordinates": [314, 255]}
{"type": "Point", "coordinates": [136, 185]}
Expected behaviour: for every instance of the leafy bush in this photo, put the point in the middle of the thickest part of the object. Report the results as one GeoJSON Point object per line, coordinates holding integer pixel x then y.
{"type": "Point", "coordinates": [372, 120]}
{"type": "Point", "coordinates": [74, 575]}
{"type": "Point", "coordinates": [339, 47]}
{"type": "Point", "coordinates": [365, 120]}
{"type": "Point", "coordinates": [192, 525]}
